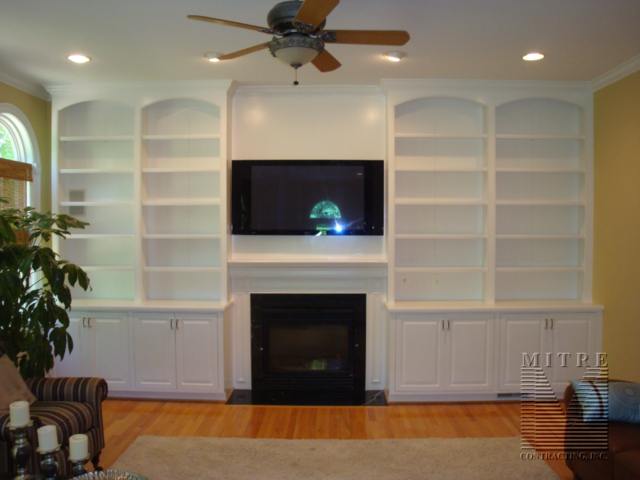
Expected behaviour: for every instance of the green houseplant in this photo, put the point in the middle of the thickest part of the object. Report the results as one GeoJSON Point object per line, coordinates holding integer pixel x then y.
{"type": "Point", "coordinates": [35, 293]}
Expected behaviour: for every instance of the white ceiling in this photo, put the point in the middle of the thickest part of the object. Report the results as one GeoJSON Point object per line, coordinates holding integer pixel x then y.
{"type": "Point", "coordinates": [150, 40]}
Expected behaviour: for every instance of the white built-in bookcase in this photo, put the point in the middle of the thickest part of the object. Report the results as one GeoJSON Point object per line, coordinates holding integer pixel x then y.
{"type": "Point", "coordinates": [490, 192]}
{"type": "Point", "coordinates": [147, 168]}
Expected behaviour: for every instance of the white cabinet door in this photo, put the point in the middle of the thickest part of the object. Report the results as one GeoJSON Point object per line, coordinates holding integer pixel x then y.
{"type": "Point", "coordinates": [197, 340]}
{"type": "Point", "coordinates": [520, 333]}
{"type": "Point", "coordinates": [571, 336]}
{"type": "Point", "coordinates": [419, 354]}
{"type": "Point", "coordinates": [155, 352]}
{"type": "Point", "coordinates": [72, 364]}
{"type": "Point", "coordinates": [107, 348]}
{"type": "Point", "coordinates": [469, 350]}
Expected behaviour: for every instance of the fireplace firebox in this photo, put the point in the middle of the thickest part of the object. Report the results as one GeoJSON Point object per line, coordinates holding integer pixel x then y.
{"type": "Point", "coordinates": [308, 348]}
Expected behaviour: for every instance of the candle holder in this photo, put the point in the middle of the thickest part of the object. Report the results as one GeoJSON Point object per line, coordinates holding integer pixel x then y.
{"type": "Point", "coordinates": [21, 451]}
{"type": "Point", "coordinates": [48, 464]}
{"type": "Point", "coordinates": [78, 467]}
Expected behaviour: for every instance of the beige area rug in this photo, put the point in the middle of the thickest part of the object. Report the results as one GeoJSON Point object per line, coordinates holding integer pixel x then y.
{"type": "Point", "coordinates": [178, 458]}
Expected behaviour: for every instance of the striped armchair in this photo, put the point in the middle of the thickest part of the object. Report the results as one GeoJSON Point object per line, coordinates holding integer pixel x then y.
{"type": "Point", "coordinates": [72, 405]}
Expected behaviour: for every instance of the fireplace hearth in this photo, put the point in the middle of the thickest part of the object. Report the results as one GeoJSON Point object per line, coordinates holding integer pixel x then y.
{"type": "Point", "coordinates": [308, 349]}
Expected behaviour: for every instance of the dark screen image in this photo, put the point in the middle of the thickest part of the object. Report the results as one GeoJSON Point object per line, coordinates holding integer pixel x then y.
{"type": "Point", "coordinates": [327, 199]}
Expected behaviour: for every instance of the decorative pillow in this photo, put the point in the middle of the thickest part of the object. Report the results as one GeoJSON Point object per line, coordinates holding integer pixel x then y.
{"type": "Point", "coordinates": [593, 396]}
{"type": "Point", "coordinates": [614, 401]}
{"type": "Point", "coordinates": [624, 402]}
{"type": "Point", "coordinates": [12, 386]}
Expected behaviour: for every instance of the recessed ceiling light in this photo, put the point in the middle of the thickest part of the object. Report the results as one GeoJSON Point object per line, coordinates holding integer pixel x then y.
{"type": "Point", "coordinates": [395, 56]}
{"type": "Point", "coordinates": [532, 57]}
{"type": "Point", "coordinates": [79, 58]}
{"type": "Point", "coordinates": [213, 56]}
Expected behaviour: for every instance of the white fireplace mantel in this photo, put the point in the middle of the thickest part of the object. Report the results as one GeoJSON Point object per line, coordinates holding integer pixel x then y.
{"type": "Point", "coordinates": [321, 276]}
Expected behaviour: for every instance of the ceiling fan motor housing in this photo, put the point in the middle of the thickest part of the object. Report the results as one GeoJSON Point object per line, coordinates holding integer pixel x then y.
{"type": "Point", "coordinates": [280, 17]}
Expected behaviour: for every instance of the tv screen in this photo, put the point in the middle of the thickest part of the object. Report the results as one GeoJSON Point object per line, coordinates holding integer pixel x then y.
{"type": "Point", "coordinates": [307, 197]}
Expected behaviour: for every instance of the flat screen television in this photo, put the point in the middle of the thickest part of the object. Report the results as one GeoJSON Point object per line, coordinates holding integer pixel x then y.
{"type": "Point", "coordinates": [307, 197]}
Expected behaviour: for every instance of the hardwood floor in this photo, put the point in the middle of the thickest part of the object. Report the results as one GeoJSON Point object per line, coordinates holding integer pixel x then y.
{"type": "Point", "coordinates": [125, 420]}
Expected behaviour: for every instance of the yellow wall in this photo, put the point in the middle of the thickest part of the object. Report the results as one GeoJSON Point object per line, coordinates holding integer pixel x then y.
{"type": "Point", "coordinates": [616, 275]}
{"type": "Point", "coordinates": [38, 112]}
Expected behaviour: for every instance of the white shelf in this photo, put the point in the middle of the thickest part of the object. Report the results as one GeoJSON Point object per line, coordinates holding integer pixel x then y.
{"type": "Point", "coordinates": [181, 137]}
{"type": "Point", "coordinates": [107, 268]}
{"type": "Point", "coordinates": [173, 269]}
{"type": "Point", "coordinates": [70, 171]}
{"type": "Point", "coordinates": [448, 269]}
{"type": "Point", "coordinates": [98, 236]}
{"type": "Point", "coordinates": [98, 138]}
{"type": "Point", "coordinates": [180, 236]}
{"type": "Point", "coordinates": [539, 137]}
{"type": "Point", "coordinates": [545, 268]}
{"type": "Point", "coordinates": [540, 170]}
{"type": "Point", "coordinates": [179, 170]}
{"type": "Point", "coordinates": [443, 136]}
{"type": "Point", "coordinates": [443, 169]}
{"type": "Point", "coordinates": [437, 201]}
{"type": "Point", "coordinates": [542, 203]}
{"type": "Point", "coordinates": [181, 202]}
{"type": "Point", "coordinates": [441, 236]}
{"type": "Point", "coordinates": [539, 237]}
{"type": "Point", "coordinates": [104, 203]}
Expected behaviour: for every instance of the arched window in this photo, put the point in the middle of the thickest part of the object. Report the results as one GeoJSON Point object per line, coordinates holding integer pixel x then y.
{"type": "Point", "coordinates": [19, 159]}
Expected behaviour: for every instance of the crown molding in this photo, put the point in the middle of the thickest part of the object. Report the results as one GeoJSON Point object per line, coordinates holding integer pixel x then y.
{"type": "Point", "coordinates": [308, 90]}
{"type": "Point", "coordinates": [92, 87]}
{"type": "Point", "coordinates": [25, 86]}
{"type": "Point", "coordinates": [627, 68]}
{"type": "Point", "coordinates": [416, 84]}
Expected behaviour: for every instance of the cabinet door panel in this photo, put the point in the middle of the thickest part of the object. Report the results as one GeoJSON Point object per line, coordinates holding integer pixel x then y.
{"type": "Point", "coordinates": [519, 333]}
{"type": "Point", "coordinates": [110, 353]}
{"type": "Point", "coordinates": [72, 364]}
{"type": "Point", "coordinates": [197, 353]}
{"type": "Point", "coordinates": [571, 334]}
{"type": "Point", "coordinates": [419, 354]}
{"type": "Point", "coordinates": [470, 353]}
{"type": "Point", "coordinates": [155, 352]}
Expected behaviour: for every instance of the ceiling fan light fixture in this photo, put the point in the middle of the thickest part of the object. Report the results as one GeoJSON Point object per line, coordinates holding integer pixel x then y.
{"type": "Point", "coordinates": [213, 56]}
{"type": "Point", "coordinates": [395, 56]}
{"type": "Point", "coordinates": [532, 57]}
{"type": "Point", "coordinates": [77, 58]}
{"type": "Point", "coordinates": [296, 50]}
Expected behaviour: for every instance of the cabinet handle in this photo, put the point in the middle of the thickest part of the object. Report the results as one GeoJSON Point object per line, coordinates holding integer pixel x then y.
{"type": "Point", "coordinates": [442, 323]}
{"type": "Point", "coordinates": [552, 324]}
{"type": "Point", "coordinates": [89, 321]}
{"type": "Point", "coordinates": [448, 324]}
{"type": "Point", "coordinates": [546, 323]}
{"type": "Point", "coordinates": [84, 320]}
{"type": "Point", "coordinates": [177, 324]}
{"type": "Point", "coordinates": [171, 324]}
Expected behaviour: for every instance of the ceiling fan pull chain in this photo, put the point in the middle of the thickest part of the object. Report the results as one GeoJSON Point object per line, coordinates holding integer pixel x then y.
{"type": "Point", "coordinates": [295, 82]}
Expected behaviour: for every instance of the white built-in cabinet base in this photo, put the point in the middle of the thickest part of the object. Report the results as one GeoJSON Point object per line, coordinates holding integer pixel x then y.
{"type": "Point", "coordinates": [476, 352]}
{"type": "Point", "coordinates": [149, 354]}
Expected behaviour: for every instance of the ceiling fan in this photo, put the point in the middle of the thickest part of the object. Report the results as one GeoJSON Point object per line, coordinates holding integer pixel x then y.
{"type": "Point", "coordinates": [300, 37]}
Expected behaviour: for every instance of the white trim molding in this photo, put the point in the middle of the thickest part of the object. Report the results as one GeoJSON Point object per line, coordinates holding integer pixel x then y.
{"type": "Point", "coordinates": [618, 73]}
{"type": "Point", "coordinates": [25, 86]}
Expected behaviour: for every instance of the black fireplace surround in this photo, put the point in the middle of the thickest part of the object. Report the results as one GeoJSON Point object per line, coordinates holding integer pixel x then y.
{"type": "Point", "coordinates": [308, 349]}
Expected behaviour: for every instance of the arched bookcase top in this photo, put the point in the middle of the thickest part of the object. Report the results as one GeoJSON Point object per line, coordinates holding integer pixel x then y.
{"type": "Point", "coordinates": [440, 115]}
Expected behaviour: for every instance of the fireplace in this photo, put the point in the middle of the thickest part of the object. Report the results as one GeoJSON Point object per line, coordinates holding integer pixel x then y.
{"type": "Point", "coordinates": [308, 348]}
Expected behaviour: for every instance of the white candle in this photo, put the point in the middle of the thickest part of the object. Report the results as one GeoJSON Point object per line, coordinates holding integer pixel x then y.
{"type": "Point", "coordinates": [47, 438]}
{"type": "Point", "coordinates": [19, 412]}
{"type": "Point", "coordinates": [78, 447]}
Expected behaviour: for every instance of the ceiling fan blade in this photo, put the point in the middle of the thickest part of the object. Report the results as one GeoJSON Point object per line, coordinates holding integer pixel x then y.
{"type": "Point", "coordinates": [325, 62]}
{"type": "Point", "coordinates": [228, 23]}
{"type": "Point", "coordinates": [313, 12]}
{"type": "Point", "coordinates": [246, 51]}
{"type": "Point", "coordinates": [370, 37]}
